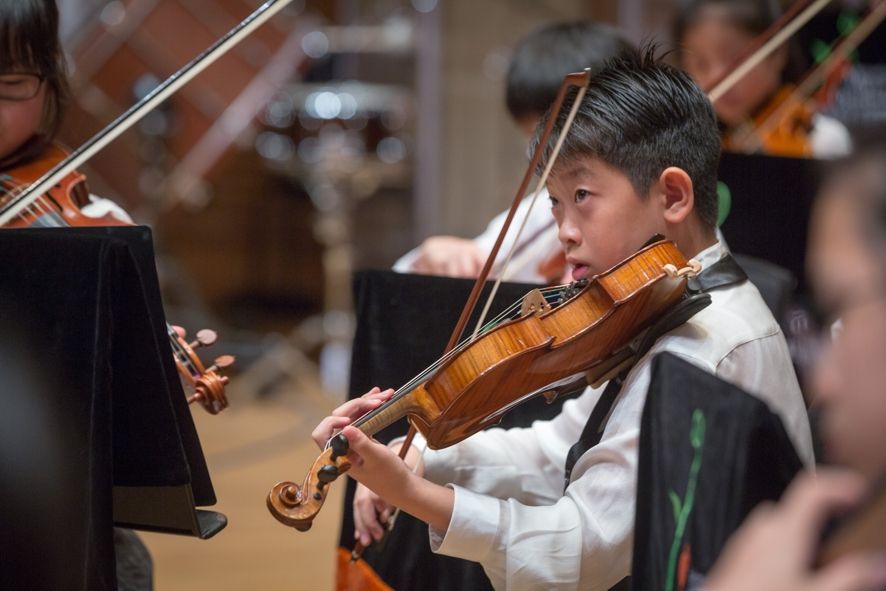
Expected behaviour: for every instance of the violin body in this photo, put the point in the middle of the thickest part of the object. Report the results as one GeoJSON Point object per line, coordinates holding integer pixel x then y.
{"type": "Point", "coordinates": [60, 206]}
{"type": "Point", "coordinates": [519, 359]}
{"type": "Point", "coordinates": [781, 128]}
{"type": "Point", "coordinates": [473, 388]}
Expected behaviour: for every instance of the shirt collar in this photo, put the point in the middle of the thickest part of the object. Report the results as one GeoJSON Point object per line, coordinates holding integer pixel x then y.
{"type": "Point", "coordinates": [711, 254]}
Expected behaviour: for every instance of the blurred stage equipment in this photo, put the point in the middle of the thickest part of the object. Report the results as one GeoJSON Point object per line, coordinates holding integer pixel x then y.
{"type": "Point", "coordinates": [243, 137]}
{"type": "Point", "coordinates": [342, 141]}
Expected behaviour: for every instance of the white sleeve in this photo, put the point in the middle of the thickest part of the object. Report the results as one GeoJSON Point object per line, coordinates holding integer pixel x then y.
{"type": "Point", "coordinates": [404, 263]}
{"type": "Point", "coordinates": [99, 207]}
{"type": "Point", "coordinates": [829, 137]}
{"type": "Point", "coordinates": [583, 539]}
{"type": "Point", "coordinates": [539, 217]}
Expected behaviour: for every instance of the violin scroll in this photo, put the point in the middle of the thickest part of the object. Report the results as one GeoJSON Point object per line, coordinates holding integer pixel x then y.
{"type": "Point", "coordinates": [296, 506]}
{"type": "Point", "coordinates": [207, 385]}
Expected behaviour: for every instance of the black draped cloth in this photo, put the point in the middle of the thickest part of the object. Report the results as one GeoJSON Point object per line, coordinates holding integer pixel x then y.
{"type": "Point", "coordinates": [709, 452]}
{"type": "Point", "coordinates": [90, 401]}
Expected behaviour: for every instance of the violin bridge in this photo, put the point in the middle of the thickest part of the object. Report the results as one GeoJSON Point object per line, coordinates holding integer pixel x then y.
{"type": "Point", "coordinates": [534, 303]}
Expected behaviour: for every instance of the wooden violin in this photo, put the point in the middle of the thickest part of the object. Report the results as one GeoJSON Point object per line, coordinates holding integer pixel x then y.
{"type": "Point", "coordinates": [781, 128]}
{"type": "Point", "coordinates": [538, 346]}
{"type": "Point", "coordinates": [60, 207]}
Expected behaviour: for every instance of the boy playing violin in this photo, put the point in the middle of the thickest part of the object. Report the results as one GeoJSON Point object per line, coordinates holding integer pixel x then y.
{"type": "Point", "coordinates": [641, 159]}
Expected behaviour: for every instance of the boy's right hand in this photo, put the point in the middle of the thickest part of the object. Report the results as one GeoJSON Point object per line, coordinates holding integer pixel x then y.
{"type": "Point", "coordinates": [371, 515]}
{"type": "Point", "coordinates": [449, 256]}
{"type": "Point", "coordinates": [371, 512]}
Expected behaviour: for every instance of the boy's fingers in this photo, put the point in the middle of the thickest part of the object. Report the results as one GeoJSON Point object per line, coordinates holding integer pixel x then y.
{"type": "Point", "coordinates": [357, 407]}
{"type": "Point", "coordinates": [360, 443]}
{"type": "Point", "coordinates": [326, 428]}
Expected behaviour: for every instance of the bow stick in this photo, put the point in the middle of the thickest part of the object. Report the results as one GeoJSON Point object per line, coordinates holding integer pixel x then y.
{"type": "Point", "coordinates": [135, 113]}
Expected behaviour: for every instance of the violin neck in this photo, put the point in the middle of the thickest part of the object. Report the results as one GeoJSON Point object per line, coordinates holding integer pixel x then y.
{"type": "Point", "coordinates": [388, 413]}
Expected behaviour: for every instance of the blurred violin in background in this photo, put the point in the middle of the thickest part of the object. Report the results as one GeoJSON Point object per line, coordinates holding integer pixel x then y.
{"type": "Point", "coordinates": [781, 128]}
{"type": "Point", "coordinates": [61, 207]}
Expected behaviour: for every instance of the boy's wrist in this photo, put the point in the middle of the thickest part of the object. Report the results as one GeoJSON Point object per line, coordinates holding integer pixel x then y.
{"type": "Point", "coordinates": [427, 501]}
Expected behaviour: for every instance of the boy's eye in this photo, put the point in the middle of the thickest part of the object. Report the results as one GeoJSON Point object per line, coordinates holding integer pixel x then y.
{"type": "Point", "coordinates": [581, 194]}
{"type": "Point", "coordinates": [553, 200]}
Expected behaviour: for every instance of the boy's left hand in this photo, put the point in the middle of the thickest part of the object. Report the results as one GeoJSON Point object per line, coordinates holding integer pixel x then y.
{"type": "Point", "coordinates": [372, 463]}
{"type": "Point", "coordinates": [376, 466]}
{"type": "Point", "coordinates": [347, 413]}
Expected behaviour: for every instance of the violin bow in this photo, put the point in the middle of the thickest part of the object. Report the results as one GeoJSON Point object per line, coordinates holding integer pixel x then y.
{"type": "Point", "coordinates": [580, 80]}
{"type": "Point", "coordinates": [762, 38]}
{"type": "Point", "coordinates": [135, 113]}
{"type": "Point", "coordinates": [543, 179]}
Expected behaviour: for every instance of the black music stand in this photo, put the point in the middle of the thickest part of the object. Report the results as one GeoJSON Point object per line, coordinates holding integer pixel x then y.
{"type": "Point", "coordinates": [81, 309]}
{"type": "Point", "coordinates": [771, 201]}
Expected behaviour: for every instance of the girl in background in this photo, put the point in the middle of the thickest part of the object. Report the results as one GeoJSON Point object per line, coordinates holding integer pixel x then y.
{"type": "Point", "coordinates": [711, 35]}
{"type": "Point", "coordinates": [33, 92]}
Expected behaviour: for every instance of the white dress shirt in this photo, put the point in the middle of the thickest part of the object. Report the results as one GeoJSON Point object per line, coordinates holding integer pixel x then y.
{"type": "Point", "coordinates": [540, 228]}
{"type": "Point", "coordinates": [510, 512]}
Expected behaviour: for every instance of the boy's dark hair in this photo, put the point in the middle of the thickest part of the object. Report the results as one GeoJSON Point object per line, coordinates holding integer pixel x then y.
{"type": "Point", "coordinates": [29, 43]}
{"type": "Point", "coordinates": [642, 116]}
{"type": "Point", "coordinates": [544, 57]}
{"type": "Point", "coordinates": [750, 16]}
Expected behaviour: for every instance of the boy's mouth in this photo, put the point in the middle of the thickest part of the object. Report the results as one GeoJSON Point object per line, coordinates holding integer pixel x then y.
{"type": "Point", "coordinates": [579, 270]}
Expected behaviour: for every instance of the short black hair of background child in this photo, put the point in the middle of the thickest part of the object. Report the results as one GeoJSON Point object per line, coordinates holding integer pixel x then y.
{"type": "Point", "coordinates": [542, 58]}
{"type": "Point", "coordinates": [642, 116]}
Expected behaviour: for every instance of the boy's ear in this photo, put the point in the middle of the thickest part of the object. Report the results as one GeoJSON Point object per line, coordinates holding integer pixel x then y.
{"type": "Point", "coordinates": [677, 193]}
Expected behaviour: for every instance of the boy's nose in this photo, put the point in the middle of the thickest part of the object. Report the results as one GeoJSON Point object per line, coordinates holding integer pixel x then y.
{"type": "Point", "coordinates": [568, 233]}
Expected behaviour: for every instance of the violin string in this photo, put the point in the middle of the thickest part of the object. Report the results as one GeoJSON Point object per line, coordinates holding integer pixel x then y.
{"type": "Point", "coordinates": [47, 212]}
{"type": "Point", "coordinates": [550, 294]}
{"type": "Point", "coordinates": [179, 353]}
{"type": "Point", "coordinates": [567, 125]}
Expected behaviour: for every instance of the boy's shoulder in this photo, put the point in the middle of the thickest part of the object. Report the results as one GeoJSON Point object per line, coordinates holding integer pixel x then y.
{"type": "Point", "coordinates": [736, 317]}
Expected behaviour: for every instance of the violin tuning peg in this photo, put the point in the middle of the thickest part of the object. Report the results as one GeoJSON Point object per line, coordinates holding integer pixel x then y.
{"type": "Point", "coordinates": [221, 363]}
{"type": "Point", "coordinates": [340, 446]}
{"type": "Point", "coordinates": [181, 332]}
{"type": "Point", "coordinates": [224, 361]}
{"type": "Point", "coordinates": [206, 337]}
